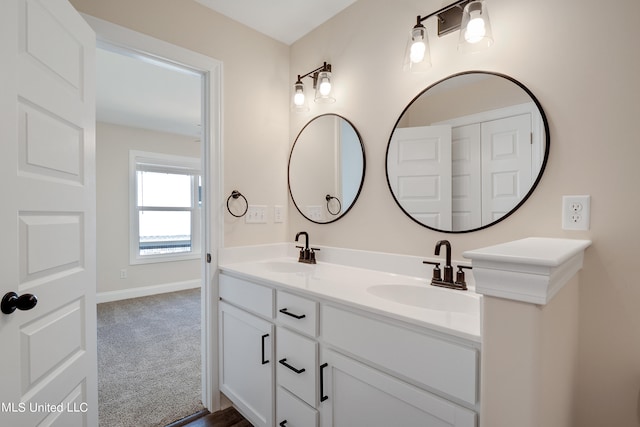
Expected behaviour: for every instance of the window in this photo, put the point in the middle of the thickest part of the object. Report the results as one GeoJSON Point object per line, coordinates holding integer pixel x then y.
{"type": "Point", "coordinates": [165, 207]}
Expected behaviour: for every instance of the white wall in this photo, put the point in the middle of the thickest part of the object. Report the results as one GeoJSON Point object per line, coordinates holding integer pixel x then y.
{"type": "Point", "coordinates": [582, 63]}
{"type": "Point", "coordinates": [113, 144]}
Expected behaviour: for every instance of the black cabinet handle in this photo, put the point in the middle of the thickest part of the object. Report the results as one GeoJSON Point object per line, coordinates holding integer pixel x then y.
{"type": "Point", "coordinates": [282, 424]}
{"type": "Point", "coordinates": [284, 363]}
{"type": "Point", "coordinates": [264, 362]}
{"type": "Point", "coordinates": [322, 396]}
{"type": "Point", "coordinates": [297, 316]}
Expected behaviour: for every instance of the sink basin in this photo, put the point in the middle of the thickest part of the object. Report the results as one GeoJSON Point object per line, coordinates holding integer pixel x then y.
{"type": "Point", "coordinates": [287, 267]}
{"type": "Point", "coordinates": [428, 297]}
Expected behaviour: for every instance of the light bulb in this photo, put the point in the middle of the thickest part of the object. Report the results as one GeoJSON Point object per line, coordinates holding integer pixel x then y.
{"type": "Point", "coordinates": [418, 49]}
{"type": "Point", "coordinates": [418, 45]}
{"type": "Point", "coordinates": [475, 30]}
{"type": "Point", "coordinates": [298, 94]}
{"type": "Point", "coordinates": [325, 87]}
{"type": "Point", "coordinates": [322, 83]}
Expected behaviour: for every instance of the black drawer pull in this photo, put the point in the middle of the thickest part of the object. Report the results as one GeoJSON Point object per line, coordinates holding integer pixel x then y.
{"type": "Point", "coordinates": [297, 316]}
{"type": "Point", "coordinates": [284, 363]}
{"type": "Point", "coordinates": [264, 362]}
{"type": "Point", "coordinates": [322, 396]}
{"type": "Point", "coordinates": [282, 424]}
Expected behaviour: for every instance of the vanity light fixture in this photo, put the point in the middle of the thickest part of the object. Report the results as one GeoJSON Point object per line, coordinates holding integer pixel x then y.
{"type": "Point", "coordinates": [470, 16]}
{"type": "Point", "coordinates": [321, 83]}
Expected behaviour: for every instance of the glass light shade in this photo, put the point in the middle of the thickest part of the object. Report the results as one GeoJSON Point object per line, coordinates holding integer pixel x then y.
{"type": "Point", "coordinates": [299, 101]}
{"type": "Point", "coordinates": [417, 57]}
{"type": "Point", "coordinates": [475, 29]}
{"type": "Point", "coordinates": [323, 88]}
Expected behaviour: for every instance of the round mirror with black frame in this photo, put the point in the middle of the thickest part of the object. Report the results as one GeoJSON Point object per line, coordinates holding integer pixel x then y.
{"type": "Point", "coordinates": [326, 168]}
{"type": "Point", "coordinates": [467, 152]}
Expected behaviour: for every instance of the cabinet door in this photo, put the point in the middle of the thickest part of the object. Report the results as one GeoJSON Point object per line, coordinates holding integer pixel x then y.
{"type": "Point", "coordinates": [246, 363]}
{"type": "Point", "coordinates": [355, 394]}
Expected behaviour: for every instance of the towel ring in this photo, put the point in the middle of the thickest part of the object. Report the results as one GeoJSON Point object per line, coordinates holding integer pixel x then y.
{"type": "Point", "coordinates": [235, 194]}
{"type": "Point", "coordinates": [328, 198]}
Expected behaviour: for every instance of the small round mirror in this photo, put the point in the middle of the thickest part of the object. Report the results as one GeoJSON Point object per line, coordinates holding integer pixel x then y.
{"type": "Point", "coordinates": [467, 152]}
{"type": "Point", "coordinates": [326, 168]}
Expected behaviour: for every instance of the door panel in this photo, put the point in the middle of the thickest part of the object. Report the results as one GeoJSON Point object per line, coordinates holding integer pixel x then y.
{"type": "Point", "coordinates": [466, 204]}
{"type": "Point", "coordinates": [506, 164]}
{"type": "Point", "coordinates": [419, 168]}
{"type": "Point", "coordinates": [47, 218]}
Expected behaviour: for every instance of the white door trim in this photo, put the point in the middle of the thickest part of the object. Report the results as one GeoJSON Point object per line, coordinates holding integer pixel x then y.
{"type": "Point", "coordinates": [212, 155]}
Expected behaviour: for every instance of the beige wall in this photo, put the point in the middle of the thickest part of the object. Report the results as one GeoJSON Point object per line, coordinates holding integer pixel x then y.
{"type": "Point", "coordinates": [255, 97]}
{"type": "Point", "coordinates": [529, 358]}
{"type": "Point", "coordinates": [113, 144]}
{"type": "Point", "coordinates": [580, 61]}
{"type": "Point", "coordinates": [583, 65]}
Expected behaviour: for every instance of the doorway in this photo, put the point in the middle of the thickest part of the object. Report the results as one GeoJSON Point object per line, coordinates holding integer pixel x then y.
{"type": "Point", "coordinates": [210, 136]}
{"type": "Point", "coordinates": [149, 202]}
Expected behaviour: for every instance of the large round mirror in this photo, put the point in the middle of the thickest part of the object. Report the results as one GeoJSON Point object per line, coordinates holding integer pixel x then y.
{"type": "Point", "coordinates": [467, 152]}
{"type": "Point", "coordinates": [326, 168]}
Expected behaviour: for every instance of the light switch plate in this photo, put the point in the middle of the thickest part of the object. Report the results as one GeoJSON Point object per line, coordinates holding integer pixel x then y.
{"type": "Point", "coordinates": [256, 215]}
{"type": "Point", "coordinates": [315, 213]}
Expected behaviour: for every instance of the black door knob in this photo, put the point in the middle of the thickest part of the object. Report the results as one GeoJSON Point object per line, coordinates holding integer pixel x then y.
{"type": "Point", "coordinates": [11, 301]}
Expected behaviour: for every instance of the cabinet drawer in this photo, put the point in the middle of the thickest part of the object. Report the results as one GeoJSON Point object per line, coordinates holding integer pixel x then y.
{"type": "Point", "coordinates": [436, 363]}
{"type": "Point", "coordinates": [297, 364]}
{"type": "Point", "coordinates": [248, 295]}
{"type": "Point", "coordinates": [293, 412]}
{"type": "Point", "coordinates": [297, 312]}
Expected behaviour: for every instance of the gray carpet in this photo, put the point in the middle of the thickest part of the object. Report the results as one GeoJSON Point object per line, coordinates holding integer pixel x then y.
{"type": "Point", "coordinates": [149, 360]}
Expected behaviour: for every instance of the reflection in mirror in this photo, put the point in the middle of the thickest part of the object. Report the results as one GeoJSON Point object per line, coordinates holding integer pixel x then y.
{"type": "Point", "coordinates": [326, 168]}
{"type": "Point", "coordinates": [467, 152]}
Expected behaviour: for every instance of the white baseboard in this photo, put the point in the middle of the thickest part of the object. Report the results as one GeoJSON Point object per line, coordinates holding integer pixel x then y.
{"type": "Point", "coordinates": [146, 291]}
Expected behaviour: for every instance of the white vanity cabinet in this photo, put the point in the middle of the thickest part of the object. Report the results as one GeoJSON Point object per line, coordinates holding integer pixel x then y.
{"type": "Point", "coordinates": [331, 364]}
{"type": "Point", "coordinates": [246, 348]}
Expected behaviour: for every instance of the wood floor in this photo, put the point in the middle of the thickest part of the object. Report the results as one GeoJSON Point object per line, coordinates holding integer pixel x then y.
{"type": "Point", "coordinates": [228, 417]}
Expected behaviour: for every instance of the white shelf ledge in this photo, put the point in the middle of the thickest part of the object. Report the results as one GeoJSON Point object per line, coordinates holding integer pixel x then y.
{"type": "Point", "coordinates": [530, 270]}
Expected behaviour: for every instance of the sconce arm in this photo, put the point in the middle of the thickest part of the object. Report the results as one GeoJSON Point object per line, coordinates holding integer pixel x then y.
{"type": "Point", "coordinates": [459, 3]}
{"type": "Point", "coordinates": [314, 73]}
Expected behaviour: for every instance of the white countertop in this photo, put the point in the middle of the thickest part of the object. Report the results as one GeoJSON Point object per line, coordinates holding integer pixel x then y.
{"type": "Point", "coordinates": [532, 251]}
{"type": "Point", "coordinates": [531, 270]}
{"type": "Point", "coordinates": [406, 298]}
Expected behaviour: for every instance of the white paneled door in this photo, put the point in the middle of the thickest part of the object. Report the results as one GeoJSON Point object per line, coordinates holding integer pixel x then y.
{"type": "Point", "coordinates": [506, 164]}
{"type": "Point", "coordinates": [419, 173]}
{"type": "Point", "coordinates": [47, 215]}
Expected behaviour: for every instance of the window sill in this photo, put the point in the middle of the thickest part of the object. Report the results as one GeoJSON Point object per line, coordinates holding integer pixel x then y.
{"type": "Point", "coordinates": [151, 259]}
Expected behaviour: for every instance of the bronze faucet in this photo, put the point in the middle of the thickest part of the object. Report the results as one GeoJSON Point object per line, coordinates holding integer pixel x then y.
{"type": "Point", "coordinates": [446, 280]}
{"type": "Point", "coordinates": [307, 255]}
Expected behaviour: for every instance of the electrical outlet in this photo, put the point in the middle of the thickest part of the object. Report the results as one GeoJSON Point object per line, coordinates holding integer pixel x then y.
{"type": "Point", "coordinates": [278, 214]}
{"type": "Point", "coordinates": [123, 273]}
{"type": "Point", "coordinates": [576, 212]}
